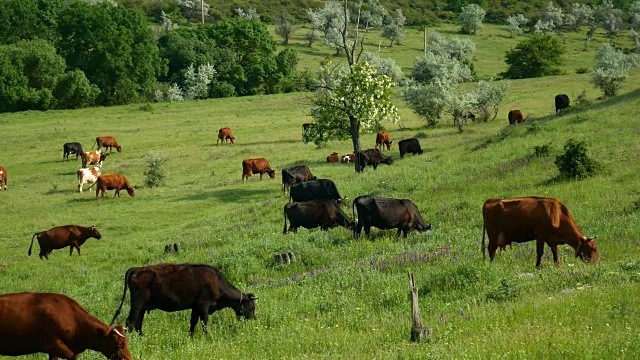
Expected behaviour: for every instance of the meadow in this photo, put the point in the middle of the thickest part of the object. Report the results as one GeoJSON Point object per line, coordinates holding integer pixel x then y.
{"type": "Point", "coordinates": [343, 298]}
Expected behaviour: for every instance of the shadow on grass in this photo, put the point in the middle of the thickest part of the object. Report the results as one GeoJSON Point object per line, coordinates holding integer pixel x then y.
{"type": "Point", "coordinates": [234, 195]}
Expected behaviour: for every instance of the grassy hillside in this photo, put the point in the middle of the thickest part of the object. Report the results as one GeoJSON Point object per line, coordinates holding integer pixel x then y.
{"type": "Point", "coordinates": [344, 298]}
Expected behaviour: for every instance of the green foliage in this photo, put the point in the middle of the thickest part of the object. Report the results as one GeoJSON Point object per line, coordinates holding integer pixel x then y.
{"type": "Point", "coordinates": [514, 22]}
{"type": "Point", "coordinates": [154, 174]}
{"type": "Point", "coordinates": [115, 49]}
{"type": "Point", "coordinates": [471, 18]}
{"type": "Point", "coordinates": [504, 292]}
{"type": "Point", "coordinates": [393, 28]}
{"type": "Point", "coordinates": [285, 27]}
{"type": "Point", "coordinates": [73, 90]}
{"type": "Point", "coordinates": [29, 20]}
{"type": "Point", "coordinates": [535, 127]}
{"type": "Point", "coordinates": [427, 101]}
{"type": "Point", "coordinates": [488, 96]}
{"type": "Point", "coordinates": [539, 55]}
{"type": "Point", "coordinates": [574, 162]}
{"type": "Point", "coordinates": [542, 150]}
{"type": "Point", "coordinates": [611, 71]}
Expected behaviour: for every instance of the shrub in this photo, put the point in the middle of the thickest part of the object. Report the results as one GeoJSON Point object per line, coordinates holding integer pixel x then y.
{"type": "Point", "coordinates": [582, 99]}
{"type": "Point", "coordinates": [74, 90]}
{"type": "Point", "coordinates": [154, 175]}
{"type": "Point", "coordinates": [542, 150]}
{"type": "Point", "coordinates": [582, 70]}
{"type": "Point", "coordinates": [574, 162]}
{"type": "Point", "coordinates": [535, 127]}
{"type": "Point", "coordinates": [539, 55]}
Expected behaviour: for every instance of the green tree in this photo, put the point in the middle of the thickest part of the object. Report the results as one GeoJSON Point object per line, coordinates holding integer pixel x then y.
{"type": "Point", "coordinates": [285, 27]}
{"type": "Point", "coordinates": [28, 20]}
{"type": "Point", "coordinates": [540, 55]}
{"type": "Point", "coordinates": [471, 18]}
{"type": "Point", "coordinates": [114, 47]}
{"type": "Point", "coordinates": [611, 71]}
{"type": "Point", "coordinates": [393, 29]}
{"type": "Point", "coordinates": [514, 22]}
{"type": "Point", "coordinates": [73, 90]}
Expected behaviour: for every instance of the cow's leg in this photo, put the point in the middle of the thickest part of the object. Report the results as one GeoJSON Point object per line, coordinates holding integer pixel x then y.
{"type": "Point", "coordinates": [261, 175]}
{"type": "Point", "coordinates": [554, 251]}
{"type": "Point", "coordinates": [117, 193]}
{"type": "Point", "coordinates": [60, 349]}
{"type": "Point", "coordinates": [194, 320]}
{"type": "Point", "coordinates": [539, 251]}
{"type": "Point", "coordinates": [70, 249]}
{"type": "Point", "coordinates": [367, 229]}
{"type": "Point", "coordinates": [204, 316]}
{"type": "Point", "coordinates": [358, 229]}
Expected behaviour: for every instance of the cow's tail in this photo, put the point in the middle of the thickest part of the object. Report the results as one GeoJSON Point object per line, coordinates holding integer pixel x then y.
{"type": "Point", "coordinates": [33, 237]}
{"type": "Point", "coordinates": [484, 254]}
{"type": "Point", "coordinates": [124, 293]}
{"type": "Point", "coordinates": [284, 213]}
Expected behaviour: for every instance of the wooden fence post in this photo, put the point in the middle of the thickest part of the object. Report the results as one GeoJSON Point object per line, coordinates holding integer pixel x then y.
{"type": "Point", "coordinates": [418, 332]}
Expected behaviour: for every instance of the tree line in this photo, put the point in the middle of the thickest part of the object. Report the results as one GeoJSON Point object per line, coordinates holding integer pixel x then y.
{"type": "Point", "coordinates": [59, 55]}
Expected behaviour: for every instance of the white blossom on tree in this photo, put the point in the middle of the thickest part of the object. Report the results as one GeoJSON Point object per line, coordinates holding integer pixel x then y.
{"type": "Point", "coordinates": [193, 9]}
{"type": "Point", "coordinates": [196, 83]}
{"type": "Point", "coordinates": [580, 15]}
{"type": "Point", "coordinates": [488, 95]}
{"type": "Point", "coordinates": [634, 15]}
{"type": "Point", "coordinates": [393, 29]}
{"type": "Point", "coordinates": [611, 70]}
{"type": "Point", "coordinates": [249, 14]}
{"type": "Point", "coordinates": [372, 14]}
{"type": "Point", "coordinates": [551, 17]}
{"type": "Point", "coordinates": [471, 18]}
{"type": "Point", "coordinates": [610, 17]}
{"type": "Point", "coordinates": [385, 66]}
{"type": "Point", "coordinates": [167, 24]}
{"type": "Point", "coordinates": [515, 22]}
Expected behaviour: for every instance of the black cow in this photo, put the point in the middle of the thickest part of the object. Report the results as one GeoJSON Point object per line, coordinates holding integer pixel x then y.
{"type": "Point", "coordinates": [295, 174]}
{"type": "Point", "coordinates": [562, 102]}
{"type": "Point", "coordinates": [409, 146]}
{"type": "Point", "coordinates": [71, 148]}
{"type": "Point", "coordinates": [387, 213]}
{"type": "Point", "coordinates": [372, 157]}
{"type": "Point", "coordinates": [316, 213]}
{"type": "Point", "coordinates": [318, 189]}
{"type": "Point", "coordinates": [175, 287]}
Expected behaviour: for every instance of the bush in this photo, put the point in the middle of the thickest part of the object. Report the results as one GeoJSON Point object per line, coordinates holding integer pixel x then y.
{"type": "Point", "coordinates": [540, 55]}
{"type": "Point", "coordinates": [542, 150]}
{"type": "Point", "coordinates": [574, 162]}
{"type": "Point", "coordinates": [154, 175]}
{"type": "Point", "coordinates": [582, 99]}
{"type": "Point", "coordinates": [74, 90]}
{"type": "Point", "coordinates": [582, 70]}
{"type": "Point", "coordinates": [535, 127]}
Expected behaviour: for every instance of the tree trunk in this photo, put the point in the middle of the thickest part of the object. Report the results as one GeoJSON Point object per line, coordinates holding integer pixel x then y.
{"type": "Point", "coordinates": [418, 332]}
{"type": "Point", "coordinates": [355, 138]}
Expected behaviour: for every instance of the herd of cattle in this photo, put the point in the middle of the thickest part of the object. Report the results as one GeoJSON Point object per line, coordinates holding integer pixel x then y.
{"type": "Point", "coordinates": [57, 325]}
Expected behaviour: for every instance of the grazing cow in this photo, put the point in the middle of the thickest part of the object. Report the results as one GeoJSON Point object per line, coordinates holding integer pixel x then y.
{"type": "Point", "coordinates": [87, 176]}
{"type": "Point", "coordinates": [71, 148]}
{"type": "Point", "coordinates": [469, 116]}
{"type": "Point", "coordinates": [333, 158]}
{"type": "Point", "coordinates": [387, 213]}
{"type": "Point", "coordinates": [348, 158]}
{"type": "Point", "coordinates": [225, 134]}
{"type": "Point", "coordinates": [372, 157]}
{"type": "Point", "coordinates": [295, 174]}
{"type": "Point", "coordinates": [316, 213]}
{"type": "Point", "coordinates": [175, 287]}
{"type": "Point", "coordinates": [113, 182]}
{"type": "Point", "coordinates": [93, 158]}
{"type": "Point", "coordinates": [409, 146]}
{"type": "Point", "coordinates": [545, 220]}
{"type": "Point", "coordinates": [516, 116]}
{"type": "Point", "coordinates": [59, 237]}
{"type": "Point", "coordinates": [382, 140]}
{"type": "Point", "coordinates": [57, 325]}
{"type": "Point", "coordinates": [256, 166]}
{"type": "Point", "coordinates": [318, 189]}
{"type": "Point", "coordinates": [107, 142]}
{"type": "Point", "coordinates": [4, 178]}
{"type": "Point", "coordinates": [562, 102]}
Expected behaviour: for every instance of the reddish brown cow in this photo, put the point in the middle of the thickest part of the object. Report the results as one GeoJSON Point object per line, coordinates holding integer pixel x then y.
{"type": "Point", "coordinates": [93, 158]}
{"type": "Point", "coordinates": [348, 158]}
{"type": "Point", "coordinates": [4, 179]}
{"type": "Point", "coordinates": [59, 237]}
{"type": "Point", "coordinates": [382, 140]}
{"type": "Point", "coordinates": [545, 220]}
{"type": "Point", "coordinates": [113, 182]}
{"type": "Point", "coordinates": [225, 134]}
{"type": "Point", "coordinates": [257, 166]}
{"type": "Point", "coordinates": [107, 142]}
{"type": "Point", "coordinates": [333, 158]}
{"type": "Point", "coordinates": [57, 325]}
{"type": "Point", "coordinates": [516, 116]}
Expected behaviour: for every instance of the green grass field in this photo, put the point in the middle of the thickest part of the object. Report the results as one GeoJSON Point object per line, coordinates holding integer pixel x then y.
{"type": "Point", "coordinates": [344, 298]}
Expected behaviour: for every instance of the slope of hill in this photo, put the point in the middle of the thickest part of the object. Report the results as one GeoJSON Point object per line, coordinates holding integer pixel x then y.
{"type": "Point", "coordinates": [344, 297]}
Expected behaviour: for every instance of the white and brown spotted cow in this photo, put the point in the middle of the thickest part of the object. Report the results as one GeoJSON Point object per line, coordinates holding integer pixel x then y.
{"type": "Point", "coordinates": [86, 176]}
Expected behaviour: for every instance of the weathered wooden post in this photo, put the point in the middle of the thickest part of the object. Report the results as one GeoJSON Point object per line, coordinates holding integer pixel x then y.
{"type": "Point", "coordinates": [418, 332]}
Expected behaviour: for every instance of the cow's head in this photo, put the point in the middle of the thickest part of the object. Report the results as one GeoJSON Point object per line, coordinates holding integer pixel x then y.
{"type": "Point", "coordinates": [247, 308]}
{"type": "Point", "coordinates": [233, 138]}
{"type": "Point", "coordinates": [272, 173]}
{"type": "Point", "coordinates": [587, 250]}
{"type": "Point", "coordinates": [114, 344]}
{"type": "Point", "coordinates": [93, 232]}
{"type": "Point", "coordinates": [387, 160]}
{"type": "Point", "coordinates": [422, 227]}
{"type": "Point", "coordinates": [119, 148]}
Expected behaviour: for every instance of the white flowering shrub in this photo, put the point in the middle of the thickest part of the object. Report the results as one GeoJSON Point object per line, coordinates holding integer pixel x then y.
{"type": "Point", "coordinates": [611, 70]}
{"type": "Point", "coordinates": [193, 9]}
{"type": "Point", "coordinates": [515, 22]}
{"type": "Point", "coordinates": [442, 68]}
{"type": "Point", "coordinates": [393, 29]}
{"type": "Point", "coordinates": [580, 15]}
{"type": "Point", "coordinates": [385, 66]}
{"type": "Point", "coordinates": [249, 14]}
{"type": "Point", "coordinates": [551, 16]}
{"type": "Point", "coordinates": [471, 18]}
{"type": "Point", "coordinates": [427, 101]}
{"type": "Point", "coordinates": [196, 83]}
{"type": "Point", "coordinates": [488, 95]}
{"type": "Point", "coordinates": [634, 15]}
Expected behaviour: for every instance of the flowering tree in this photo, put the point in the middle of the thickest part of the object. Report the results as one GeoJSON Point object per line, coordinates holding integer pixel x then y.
{"type": "Point", "coordinates": [580, 15]}
{"type": "Point", "coordinates": [551, 18]}
{"type": "Point", "coordinates": [634, 15]}
{"type": "Point", "coordinates": [514, 22]}
{"type": "Point", "coordinates": [349, 101]}
{"type": "Point", "coordinates": [393, 28]}
{"type": "Point", "coordinates": [471, 18]}
{"type": "Point", "coordinates": [611, 71]}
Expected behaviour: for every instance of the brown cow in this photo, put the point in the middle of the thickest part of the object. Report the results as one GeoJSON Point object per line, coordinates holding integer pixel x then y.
{"type": "Point", "coordinates": [545, 220]}
{"type": "Point", "coordinates": [382, 140]}
{"type": "Point", "coordinates": [516, 116]}
{"type": "Point", "coordinates": [348, 158]}
{"type": "Point", "coordinates": [56, 325]}
{"type": "Point", "coordinates": [174, 287]}
{"type": "Point", "coordinates": [4, 179]}
{"type": "Point", "coordinates": [93, 158]}
{"type": "Point", "coordinates": [107, 142]}
{"type": "Point", "coordinates": [59, 237]}
{"type": "Point", "coordinates": [113, 182]}
{"type": "Point", "coordinates": [259, 165]}
{"type": "Point", "coordinates": [333, 158]}
{"type": "Point", "coordinates": [225, 134]}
